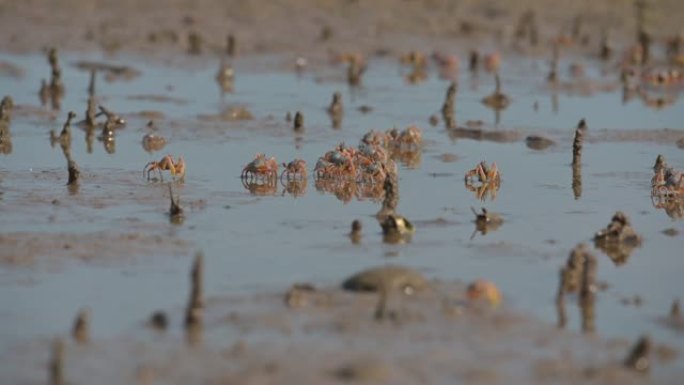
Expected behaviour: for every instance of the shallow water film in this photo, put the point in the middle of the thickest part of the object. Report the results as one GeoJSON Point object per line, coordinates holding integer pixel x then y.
{"type": "Point", "coordinates": [528, 203]}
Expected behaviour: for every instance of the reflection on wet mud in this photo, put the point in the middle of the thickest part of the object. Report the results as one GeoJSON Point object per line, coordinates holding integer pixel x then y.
{"type": "Point", "coordinates": [485, 221]}
{"type": "Point", "coordinates": [225, 78]}
{"type": "Point", "coordinates": [673, 207]}
{"type": "Point", "coordinates": [638, 358]}
{"type": "Point", "coordinates": [538, 142]}
{"type": "Point", "coordinates": [448, 108]}
{"type": "Point", "coordinates": [618, 239]}
{"type": "Point", "coordinates": [345, 190]}
{"type": "Point", "coordinates": [5, 144]}
{"type": "Point", "coordinates": [336, 110]}
{"type": "Point", "coordinates": [176, 215]}
{"type": "Point", "coordinates": [81, 329]}
{"type": "Point", "coordinates": [578, 276]}
{"type": "Point", "coordinates": [53, 91]}
{"type": "Point", "coordinates": [266, 187]}
{"type": "Point", "coordinates": [194, 312]}
{"type": "Point", "coordinates": [498, 136]}
{"type": "Point", "coordinates": [497, 100]}
{"type": "Point", "coordinates": [153, 142]}
{"type": "Point", "coordinates": [356, 234]}
{"type": "Point", "coordinates": [56, 364]}
{"type": "Point", "coordinates": [410, 159]}
{"type": "Point", "coordinates": [294, 187]}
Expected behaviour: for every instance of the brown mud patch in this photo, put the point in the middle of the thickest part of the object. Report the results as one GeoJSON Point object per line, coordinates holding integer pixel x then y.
{"type": "Point", "coordinates": [301, 25]}
{"type": "Point", "coordinates": [26, 248]}
{"type": "Point", "coordinates": [435, 334]}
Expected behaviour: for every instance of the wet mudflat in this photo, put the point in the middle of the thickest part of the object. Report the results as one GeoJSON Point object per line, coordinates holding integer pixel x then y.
{"type": "Point", "coordinates": [260, 241]}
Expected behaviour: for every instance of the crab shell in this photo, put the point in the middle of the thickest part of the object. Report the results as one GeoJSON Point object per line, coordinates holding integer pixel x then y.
{"type": "Point", "coordinates": [295, 167]}
{"type": "Point", "coordinates": [261, 166]}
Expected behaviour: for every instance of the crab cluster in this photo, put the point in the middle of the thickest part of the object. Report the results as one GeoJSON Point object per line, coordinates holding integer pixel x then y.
{"type": "Point", "coordinates": [371, 162]}
{"type": "Point", "coordinates": [483, 179]}
{"type": "Point", "coordinates": [403, 146]}
{"type": "Point", "coordinates": [367, 164]}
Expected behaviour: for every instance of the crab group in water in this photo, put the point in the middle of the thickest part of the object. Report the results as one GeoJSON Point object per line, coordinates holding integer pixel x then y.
{"type": "Point", "coordinates": [260, 169]}
{"type": "Point", "coordinates": [337, 163]}
{"type": "Point", "coordinates": [177, 169]}
{"type": "Point", "coordinates": [368, 164]}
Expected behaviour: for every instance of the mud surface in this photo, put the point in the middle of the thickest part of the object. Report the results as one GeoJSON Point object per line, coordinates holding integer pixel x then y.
{"type": "Point", "coordinates": [427, 337]}
{"type": "Point", "coordinates": [110, 245]}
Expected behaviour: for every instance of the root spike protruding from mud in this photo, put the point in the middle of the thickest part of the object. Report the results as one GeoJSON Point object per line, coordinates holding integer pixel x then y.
{"type": "Point", "coordinates": [81, 330]}
{"type": "Point", "coordinates": [193, 312]}
{"type": "Point", "coordinates": [56, 365]}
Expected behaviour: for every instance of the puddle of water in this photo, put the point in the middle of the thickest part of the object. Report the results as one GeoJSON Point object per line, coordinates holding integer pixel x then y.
{"type": "Point", "coordinates": [253, 242]}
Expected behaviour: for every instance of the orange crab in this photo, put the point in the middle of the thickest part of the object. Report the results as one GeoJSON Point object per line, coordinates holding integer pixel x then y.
{"type": "Point", "coordinates": [166, 163]}
{"type": "Point", "coordinates": [261, 168]}
{"type": "Point", "coordinates": [484, 174]}
{"type": "Point", "coordinates": [294, 170]}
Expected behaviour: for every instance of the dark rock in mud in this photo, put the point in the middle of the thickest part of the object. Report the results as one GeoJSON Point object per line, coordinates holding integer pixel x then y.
{"type": "Point", "coordinates": [229, 114]}
{"type": "Point", "coordinates": [386, 278]}
{"type": "Point", "coordinates": [639, 356]}
{"type": "Point", "coordinates": [484, 135]}
{"type": "Point", "coordinates": [112, 71]}
{"type": "Point", "coordinates": [536, 142]}
{"type": "Point", "coordinates": [373, 372]}
{"type": "Point", "coordinates": [153, 142]}
{"type": "Point", "coordinates": [158, 320]}
{"type": "Point", "coordinates": [680, 143]}
{"type": "Point", "coordinates": [81, 329]}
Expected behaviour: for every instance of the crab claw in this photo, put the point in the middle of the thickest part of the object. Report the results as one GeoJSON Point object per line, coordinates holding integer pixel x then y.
{"type": "Point", "coordinates": [179, 167]}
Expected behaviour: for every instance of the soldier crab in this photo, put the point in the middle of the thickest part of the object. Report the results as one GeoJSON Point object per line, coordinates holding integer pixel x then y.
{"type": "Point", "coordinates": [261, 168]}
{"type": "Point", "coordinates": [294, 170]}
{"type": "Point", "coordinates": [166, 163]}
{"type": "Point", "coordinates": [484, 174]}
